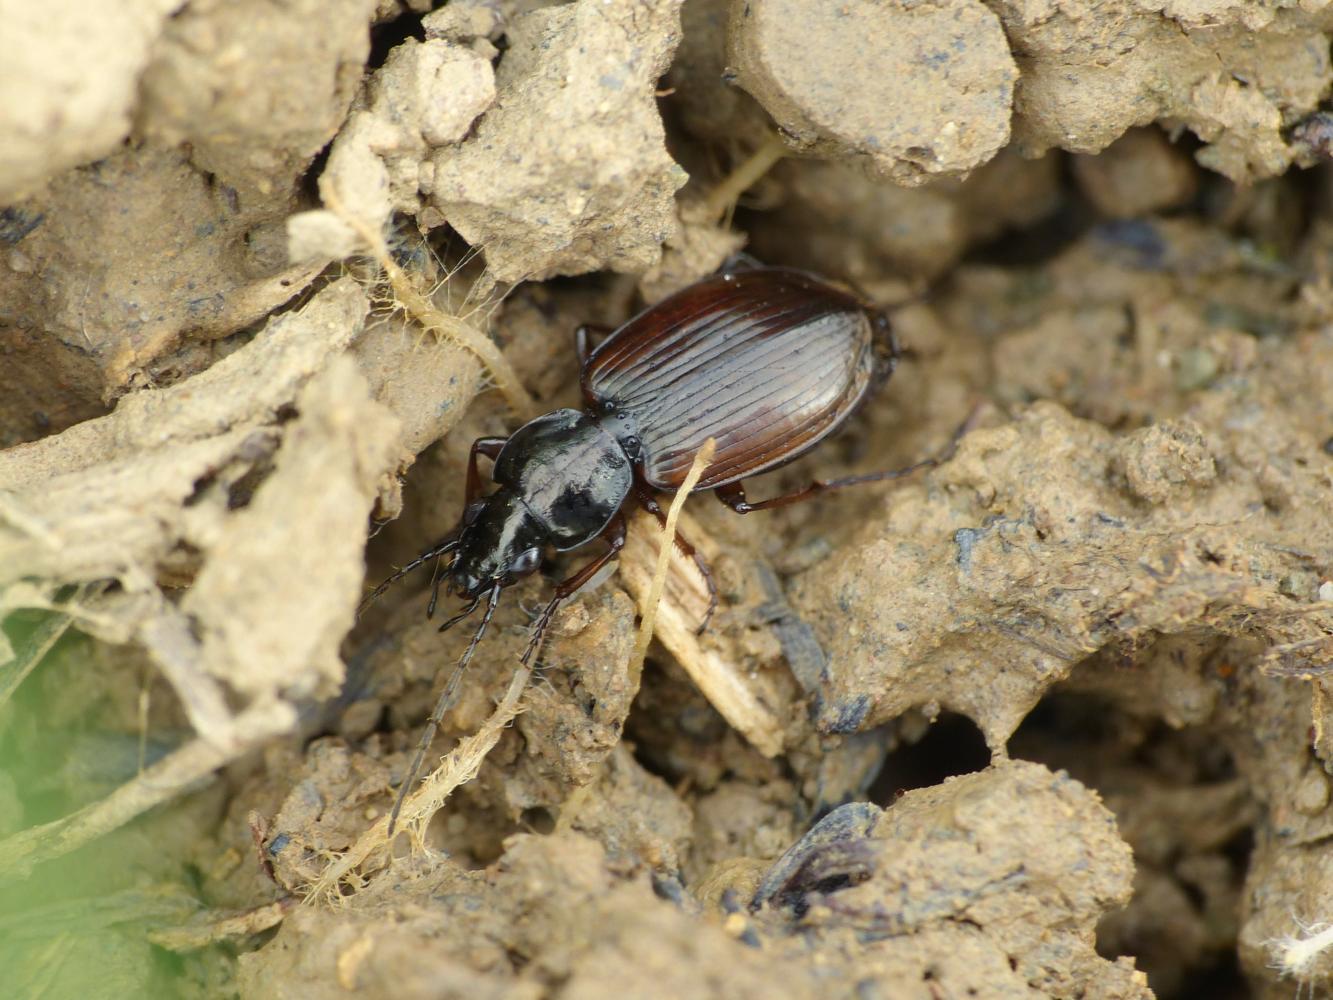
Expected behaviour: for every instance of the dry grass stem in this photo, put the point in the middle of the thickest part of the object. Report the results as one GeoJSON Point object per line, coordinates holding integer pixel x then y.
{"type": "Point", "coordinates": [458, 767]}
{"type": "Point", "coordinates": [654, 598]}
{"type": "Point", "coordinates": [432, 319]}
{"type": "Point", "coordinates": [722, 199]}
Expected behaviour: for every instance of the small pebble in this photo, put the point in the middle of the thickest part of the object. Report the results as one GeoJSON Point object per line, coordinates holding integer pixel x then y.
{"type": "Point", "coordinates": [735, 924]}
{"type": "Point", "coordinates": [1197, 366]}
{"type": "Point", "coordinates": [1312, 793]}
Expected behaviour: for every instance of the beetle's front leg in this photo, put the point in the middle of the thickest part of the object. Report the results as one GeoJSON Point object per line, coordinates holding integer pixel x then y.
{"type": "Point", "coordinates": [614, 535]}
{"type": "Point", "coordinates": [491, 448]}
{"type": "Point", "coordinates": [438, 551]}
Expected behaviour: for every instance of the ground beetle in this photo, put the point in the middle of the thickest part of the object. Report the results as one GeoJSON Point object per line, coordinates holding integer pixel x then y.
{"type": "Point", "coordinates": [767, 361]}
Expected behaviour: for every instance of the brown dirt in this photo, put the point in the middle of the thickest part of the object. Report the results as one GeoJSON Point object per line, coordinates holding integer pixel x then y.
{"type": "Point", "coordinates": [1049, 720]}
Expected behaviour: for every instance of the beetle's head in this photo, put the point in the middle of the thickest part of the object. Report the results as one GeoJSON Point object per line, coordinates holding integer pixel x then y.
{"type": "Point", "coordinates": [501, 542]}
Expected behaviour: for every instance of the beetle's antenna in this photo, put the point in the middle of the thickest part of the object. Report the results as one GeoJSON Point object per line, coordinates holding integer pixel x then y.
{"type": "Point", "coordinates": [443, 705]}
{"type": "Point", "coordinates": [443, 548]}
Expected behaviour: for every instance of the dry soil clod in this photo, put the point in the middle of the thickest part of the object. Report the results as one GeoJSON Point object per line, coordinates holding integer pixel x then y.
{"type": "Point", "coordinates": [827, 72]}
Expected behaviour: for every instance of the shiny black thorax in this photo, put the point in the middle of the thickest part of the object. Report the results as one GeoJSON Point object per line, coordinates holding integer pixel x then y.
{"type": "Point", "coordinates": [562, 477]}
{"type": "Point", "coordinates": [570, 473]}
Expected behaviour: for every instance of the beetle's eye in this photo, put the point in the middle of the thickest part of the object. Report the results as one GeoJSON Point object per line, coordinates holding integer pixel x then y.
{"type": "Point", "coordinates": [526, 562]}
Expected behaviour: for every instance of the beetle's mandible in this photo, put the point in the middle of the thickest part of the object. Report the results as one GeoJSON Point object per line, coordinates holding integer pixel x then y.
{"type": "Point", "coordinates": [767, 361]}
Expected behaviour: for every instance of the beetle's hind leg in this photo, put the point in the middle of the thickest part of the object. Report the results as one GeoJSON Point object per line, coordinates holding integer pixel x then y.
{"type": "Point", "coordinates": [649, 503]}
{"type": "Point", "coordinates": [733, 494]}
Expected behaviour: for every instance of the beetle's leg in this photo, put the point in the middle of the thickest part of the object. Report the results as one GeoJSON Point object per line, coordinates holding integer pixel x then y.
{"type": "Point", "coordinates": [460, 616]}
{"type": "Point", "coordinates": [490, 447]}
{"type": "Point", "coordinates": [583, 339]}
{"type": "Point", "coordinates": [614, 535]}
{"type": "Point", "coordinates": [650, 504]}
{"type": "Point", "coordinates": [888, 350]}
{"type": "Point", "coordinates": [436, 578]}
{"type": "Point", "coordinates": [733, 494]}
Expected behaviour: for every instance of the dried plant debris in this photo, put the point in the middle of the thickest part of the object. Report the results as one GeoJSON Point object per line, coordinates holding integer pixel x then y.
{"type": "Point", "coordinates": [120, 498]}
{"type": "Point", "coordinates": [158, 448]}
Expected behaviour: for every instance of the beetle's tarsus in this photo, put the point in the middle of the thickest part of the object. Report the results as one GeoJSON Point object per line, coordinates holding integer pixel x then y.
{"type": "Point", "coordinates": [460, 616]}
